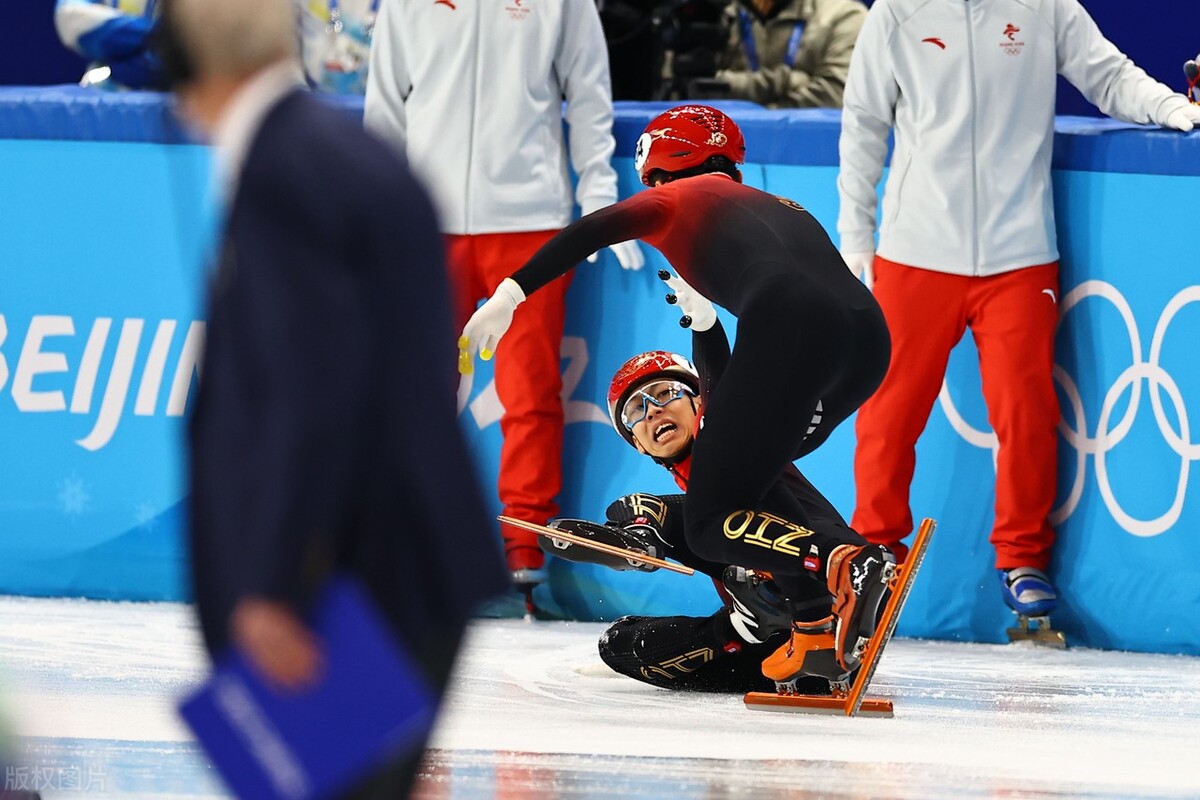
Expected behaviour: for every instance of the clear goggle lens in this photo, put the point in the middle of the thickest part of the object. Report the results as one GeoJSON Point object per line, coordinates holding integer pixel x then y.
{"type": "Point", "coordinates": [659, 393]}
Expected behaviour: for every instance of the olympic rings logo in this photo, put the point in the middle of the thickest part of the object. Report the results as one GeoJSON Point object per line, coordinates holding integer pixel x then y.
{"type": "Point", "coordinates": [1107, 435]}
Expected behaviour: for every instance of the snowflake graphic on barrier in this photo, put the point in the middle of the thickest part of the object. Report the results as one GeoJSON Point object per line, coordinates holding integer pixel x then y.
{"type": "Point", "coordinates": [72, 496]}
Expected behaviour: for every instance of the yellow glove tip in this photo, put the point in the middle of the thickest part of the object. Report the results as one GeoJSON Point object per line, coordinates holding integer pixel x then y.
{"type": "Point", "coordinates": [463, 343]}
{"type": "Point", "coordinates": [486, 354]}
{"type": "Point", "coordinates": [465, 363]}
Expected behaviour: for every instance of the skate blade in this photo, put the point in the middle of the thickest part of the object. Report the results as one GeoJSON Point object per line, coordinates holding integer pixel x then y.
{"type": "Point", "coordinates": [531, 609]}
{"type": "Point", "coordinates": [816, 704]}
{"type": "Point", "coordinates": [1038, 631]}
{"type": "Point", "coordinates": [902, 582]}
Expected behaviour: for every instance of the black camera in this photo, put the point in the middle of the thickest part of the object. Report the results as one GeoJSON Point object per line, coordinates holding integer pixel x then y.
{"type": "Point", "coordinates": [695, 32]}
{"type": "Point", "coordinates": [641, 34]}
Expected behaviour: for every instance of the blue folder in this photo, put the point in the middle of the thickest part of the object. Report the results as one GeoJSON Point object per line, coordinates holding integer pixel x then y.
{"type": "Point", "coordinates": [372, 705]}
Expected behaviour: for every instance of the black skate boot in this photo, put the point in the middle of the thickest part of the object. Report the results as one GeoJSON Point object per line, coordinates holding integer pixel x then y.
{"type": "Point", "coordinates": [636, 539]}
{"type": "Point", "coordinates": [758, 610]}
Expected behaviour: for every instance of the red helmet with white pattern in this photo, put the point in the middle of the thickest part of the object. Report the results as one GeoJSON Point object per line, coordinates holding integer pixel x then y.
{"type": "Point", "coordinates": [686, 137]}
{"type": "Point", "coordinates": [640, 370]}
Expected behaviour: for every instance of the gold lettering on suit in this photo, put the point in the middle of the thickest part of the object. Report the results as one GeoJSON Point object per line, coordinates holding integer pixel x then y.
{"type": "Point", "coordinates": [765, 530]}
{"type": "Point", "coordinates": [683, 664]}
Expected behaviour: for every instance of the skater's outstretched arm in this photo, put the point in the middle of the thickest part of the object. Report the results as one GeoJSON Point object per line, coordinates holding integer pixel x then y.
{"type": "Point", "coordinates": [632, 218]}
{"type": "Point", "coordinates": [710, 354]}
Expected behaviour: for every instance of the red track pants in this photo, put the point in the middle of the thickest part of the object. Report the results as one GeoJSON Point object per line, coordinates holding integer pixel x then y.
{"type": "Point", "coordinates": [1012, 317]}
{"type": "Point", "coordinates": [528, 378]}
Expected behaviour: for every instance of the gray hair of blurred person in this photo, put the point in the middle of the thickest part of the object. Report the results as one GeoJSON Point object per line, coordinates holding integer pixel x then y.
{"type": "Point", "coordinates": [234, 38]}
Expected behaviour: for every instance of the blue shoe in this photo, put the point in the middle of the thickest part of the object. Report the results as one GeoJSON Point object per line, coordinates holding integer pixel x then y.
{"type": "Point", "coordinates": [1028, 591]}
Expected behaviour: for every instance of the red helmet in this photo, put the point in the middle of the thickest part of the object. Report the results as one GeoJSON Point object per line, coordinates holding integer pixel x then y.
{"type": "Point", "coordinates": [639, 370]}
{"type": "Point", "coordinates": [685, 137]}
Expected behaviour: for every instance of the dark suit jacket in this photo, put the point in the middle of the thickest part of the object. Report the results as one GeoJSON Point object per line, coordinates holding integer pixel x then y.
{"type": "Point", "coordinates": [324, 434]}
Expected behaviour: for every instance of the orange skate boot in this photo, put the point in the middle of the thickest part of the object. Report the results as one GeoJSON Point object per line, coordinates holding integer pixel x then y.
{"type": "Point", "coordinates": [810, 650]}
{"type": "Point", "coordinates": [858, 578]}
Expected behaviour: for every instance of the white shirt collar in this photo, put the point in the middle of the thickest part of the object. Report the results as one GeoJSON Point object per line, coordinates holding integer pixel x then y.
{"type": "Point", "coordinates": [244, 115]}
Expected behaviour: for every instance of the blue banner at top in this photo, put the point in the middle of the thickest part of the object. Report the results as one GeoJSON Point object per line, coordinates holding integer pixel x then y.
{"type": "Point", "coordinates": [797, 137]}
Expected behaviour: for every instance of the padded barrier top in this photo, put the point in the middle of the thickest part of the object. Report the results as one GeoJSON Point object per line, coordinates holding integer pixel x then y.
{"type": "Point", "coordinates": [801, 137]}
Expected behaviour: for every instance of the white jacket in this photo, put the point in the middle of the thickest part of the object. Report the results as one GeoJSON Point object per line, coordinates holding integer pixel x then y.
{"type": "Point", "coordinates": [474, 88]}
{"type": "Point", "coordinates": [969, 86]}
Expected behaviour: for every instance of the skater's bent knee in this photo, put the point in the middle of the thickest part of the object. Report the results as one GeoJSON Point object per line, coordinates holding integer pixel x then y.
{"type": "Point", "coordinates": [707, 542]}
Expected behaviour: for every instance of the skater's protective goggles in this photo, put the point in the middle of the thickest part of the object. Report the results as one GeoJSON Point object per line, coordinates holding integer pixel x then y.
{"type": "Point", "coordinates": [659, 393]}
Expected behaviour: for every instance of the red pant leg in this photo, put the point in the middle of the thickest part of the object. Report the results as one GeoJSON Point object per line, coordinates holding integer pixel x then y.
{"type": "Point", "coordinates": [926, 316]}
{"type": "Point", "coordinates": [529, 384]}
{"type": "Point", "coordinates": [466, 281]}
{"type": "Point", "coordinates": [1013, 317]}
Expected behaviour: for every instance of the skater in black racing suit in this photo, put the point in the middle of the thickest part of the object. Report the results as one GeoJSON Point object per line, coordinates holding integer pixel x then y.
{"type": "Point", "coordinates": [723, 652]}
{"type": "Point", "coordinates": [811, 346]}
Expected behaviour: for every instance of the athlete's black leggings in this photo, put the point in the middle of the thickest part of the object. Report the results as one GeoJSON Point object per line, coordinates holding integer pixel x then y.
{"type": "Point", "coordinates": [692, 654]}
{"type": "Point", "coordinates": [802, 362]}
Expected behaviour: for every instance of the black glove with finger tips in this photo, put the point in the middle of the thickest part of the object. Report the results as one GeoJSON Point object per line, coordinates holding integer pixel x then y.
{"type": "Point", "coordinates": [646, 513]}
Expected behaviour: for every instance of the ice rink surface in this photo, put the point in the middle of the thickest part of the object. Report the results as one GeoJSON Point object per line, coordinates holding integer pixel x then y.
{"type": "Point", "coordinates": [91, 688]}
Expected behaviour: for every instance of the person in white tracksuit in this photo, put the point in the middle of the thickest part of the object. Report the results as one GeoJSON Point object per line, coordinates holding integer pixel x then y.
{"type": "Point", "coordinates": [473, 91]}
{"type": "Point", "coordinates": [968, 232]}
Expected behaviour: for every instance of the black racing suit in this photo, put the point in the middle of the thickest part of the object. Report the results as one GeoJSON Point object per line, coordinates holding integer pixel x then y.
{"type": "Point", "coordinates": [706, 653]}
{"type": "Point", "coordinates": [811, 346]}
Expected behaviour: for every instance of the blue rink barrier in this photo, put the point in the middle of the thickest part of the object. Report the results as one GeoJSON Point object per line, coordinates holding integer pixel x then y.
{"type": "Point", "coordinates": [104, 234]}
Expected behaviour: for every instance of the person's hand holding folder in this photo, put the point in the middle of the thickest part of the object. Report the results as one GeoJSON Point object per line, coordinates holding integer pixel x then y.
{"type": "Point", "coordinates": [277, 643]}
{"type": "Point", "coordinates": [303, 707]}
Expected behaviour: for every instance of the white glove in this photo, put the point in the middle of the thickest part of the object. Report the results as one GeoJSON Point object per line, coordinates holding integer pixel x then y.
{"type": "Point", "coordinates": [1183, 118]}
{"type": "Point", "coordinates": [489, 322]}
{"type": "Point", "coordinates": [628, 254]}
{"type": "Point", "coordinates": [860, 265]}
{"type": "Point", "coordinates": [698, 311]}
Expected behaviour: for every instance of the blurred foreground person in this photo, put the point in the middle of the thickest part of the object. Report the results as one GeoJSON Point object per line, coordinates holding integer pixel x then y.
{"type": "Point", "coordinates": [308, 455]}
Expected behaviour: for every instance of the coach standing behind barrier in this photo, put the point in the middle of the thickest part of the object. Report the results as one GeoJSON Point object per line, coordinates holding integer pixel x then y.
{"type": "Point", "coordinates": [473, 92]}
{"type": "Point", "coordinates": [968, 239]}
{"type": "Point", "coordinates": [324, 435]}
